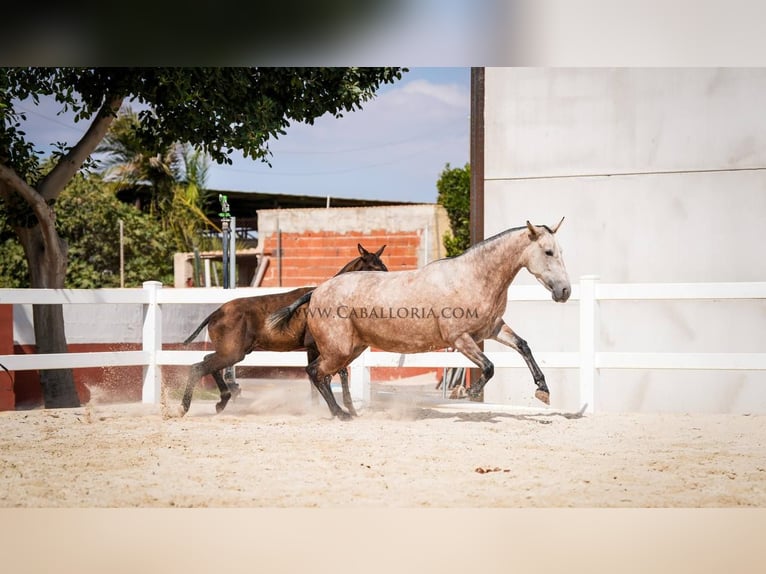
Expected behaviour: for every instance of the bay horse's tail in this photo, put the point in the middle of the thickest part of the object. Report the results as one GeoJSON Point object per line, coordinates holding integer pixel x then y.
{"type": "Point", "coordinates": [279, 319]}
{"type": "Point", "coordinates": [190, 338]}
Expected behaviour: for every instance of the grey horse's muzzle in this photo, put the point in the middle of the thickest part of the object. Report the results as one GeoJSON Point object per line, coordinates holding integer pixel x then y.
{"type": "Point", "coordinates": [561, 293]}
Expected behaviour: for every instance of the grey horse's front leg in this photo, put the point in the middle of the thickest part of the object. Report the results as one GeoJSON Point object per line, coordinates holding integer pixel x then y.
{"type": "Point", "coordinates": [504, 334]}
{"type": "Point", "coordinates": [468, 347]}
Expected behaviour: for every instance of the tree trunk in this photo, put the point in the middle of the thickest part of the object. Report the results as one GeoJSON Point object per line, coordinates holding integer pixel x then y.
{"type": "Point", "coordinates": [47, 270]}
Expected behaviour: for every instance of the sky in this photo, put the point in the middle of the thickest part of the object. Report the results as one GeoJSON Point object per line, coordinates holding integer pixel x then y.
{"type": "Point", "coordinates": [394, 148]}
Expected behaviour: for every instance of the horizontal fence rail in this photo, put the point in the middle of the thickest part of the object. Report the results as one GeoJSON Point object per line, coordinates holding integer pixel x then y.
{"type": "Point", "coordinates": [587, 359]}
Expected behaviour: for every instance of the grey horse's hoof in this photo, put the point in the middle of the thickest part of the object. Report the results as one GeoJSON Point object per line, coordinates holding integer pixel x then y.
{"type": "Point", "coordinates": [543, 396]}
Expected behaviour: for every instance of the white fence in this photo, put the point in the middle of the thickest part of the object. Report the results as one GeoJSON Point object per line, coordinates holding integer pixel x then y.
{"type": "Point", "coordinates": [588, 359]}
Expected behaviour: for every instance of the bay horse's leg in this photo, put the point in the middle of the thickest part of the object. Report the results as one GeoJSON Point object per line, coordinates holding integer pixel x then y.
{"type": "Point", "coordinates": [231, 384]}
{"type": "Point", "coordinates": [504, 334]}
{"type": "Point", "coordinates": [224, 390]}
{"type": "Point", "coordinates": [347, 402]}
{"type": "Point", "coordinates": [196, 372]}
{"type": "Point", "coordinates": [211, 364]}
{"type": "Point", "coordinates": [466, 345]}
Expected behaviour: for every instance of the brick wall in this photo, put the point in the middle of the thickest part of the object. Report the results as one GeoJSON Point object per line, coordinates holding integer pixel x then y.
{"type": "Point", "coordinates": [310, 257]}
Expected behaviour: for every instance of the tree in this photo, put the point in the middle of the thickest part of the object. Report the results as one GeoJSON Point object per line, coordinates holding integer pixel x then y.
{"type": "Point", "coordinates": [454, 187]}
{"type": "Point", "coordinates": [87, 218]}
{"type": "Point", "coordinates": [215, 109]}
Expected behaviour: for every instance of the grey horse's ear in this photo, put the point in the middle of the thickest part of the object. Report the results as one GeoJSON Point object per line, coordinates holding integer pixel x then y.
{"type": "Point", "coordinates": [532, 231]}
{"type": "Point", "coordinates": [555, 229]}
{"type": "Point", "coordinates": [379, 252]}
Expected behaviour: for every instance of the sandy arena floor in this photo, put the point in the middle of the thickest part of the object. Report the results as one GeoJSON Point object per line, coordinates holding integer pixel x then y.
{"type": "Point", "coordinates": [274, 448]}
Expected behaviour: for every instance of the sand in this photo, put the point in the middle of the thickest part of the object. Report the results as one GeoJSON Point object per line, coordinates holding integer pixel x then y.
{"type": "Point", "coordinates": [273, 447]}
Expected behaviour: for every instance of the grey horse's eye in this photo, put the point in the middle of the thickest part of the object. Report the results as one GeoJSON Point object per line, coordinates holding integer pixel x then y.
{"type": "Point", "coordinates": [549, 252]}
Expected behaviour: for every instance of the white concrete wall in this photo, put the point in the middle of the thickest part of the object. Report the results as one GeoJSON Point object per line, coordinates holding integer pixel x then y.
{"type": "Point", "coordinates": [112, 323]}
{"type": "Point", "coordinates": [661, 174]}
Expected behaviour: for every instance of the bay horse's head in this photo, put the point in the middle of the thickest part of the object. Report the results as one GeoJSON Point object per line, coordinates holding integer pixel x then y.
{"type": "Point", "coordinates": [367, 261]}
{"type": "Point", "coordinates": [544, 261]}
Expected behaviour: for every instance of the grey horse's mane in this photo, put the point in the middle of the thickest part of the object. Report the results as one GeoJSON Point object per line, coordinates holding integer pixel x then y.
{"type": "Point", "coordinates": [479, 246]}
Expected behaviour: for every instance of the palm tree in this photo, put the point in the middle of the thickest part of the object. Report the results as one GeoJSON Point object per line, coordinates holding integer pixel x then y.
{"type": "Point", "coordinates": [169, 183]}
{"type": "Point", "coordinates": [190, 168]}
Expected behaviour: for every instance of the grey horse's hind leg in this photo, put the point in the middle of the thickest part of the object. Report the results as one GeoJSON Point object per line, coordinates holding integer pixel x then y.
{"type": "Point", "coordinates": [347, 402]}
{"type": "Point", "coordinates": [325, 390]}
{"type": "Point", "coordinates": [504, 334]}
{"type": "Point", "coordinates": [312, 354]}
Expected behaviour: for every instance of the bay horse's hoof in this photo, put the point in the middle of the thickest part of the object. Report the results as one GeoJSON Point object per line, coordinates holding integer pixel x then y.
{"type": "Point", "coordinates": [221, 405]}
{"type": "Point", "coordinates": [343, 415]}
{"type": "Point", "coordinates": [543, 396]}
{"type": "Point", "coordinates": [235, 390]}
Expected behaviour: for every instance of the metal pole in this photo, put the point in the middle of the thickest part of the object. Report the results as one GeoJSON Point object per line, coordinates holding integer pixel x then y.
{"type": "Point", "coordinates": [122, 254]}
{"type": "Point", "coordinates": [233, 253]}
{"type": "Point", "coordinates": [228, 372]}
{"type": "Point", "coordinates": [225, 218]}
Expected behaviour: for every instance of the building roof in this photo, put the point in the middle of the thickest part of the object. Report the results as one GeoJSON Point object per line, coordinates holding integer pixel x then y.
{"type": "Point", "coordinates": [244, 205]}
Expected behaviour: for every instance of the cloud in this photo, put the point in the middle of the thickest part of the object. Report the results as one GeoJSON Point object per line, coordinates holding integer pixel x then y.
{"type": "Point", "coordinates": [416, 111]}
{"type": "Point", "coordinates": [449, 94]}
{"type": "Point", "coordinates": [394, 148]}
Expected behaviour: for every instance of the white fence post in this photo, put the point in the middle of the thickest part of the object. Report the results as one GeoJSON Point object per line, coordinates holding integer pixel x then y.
{"type": "Point", "coordinates": [588, 337]}
{"type": "Point", "coordinates": [152, 342]}
{"type": "Point", "coordinates": [359, 375]}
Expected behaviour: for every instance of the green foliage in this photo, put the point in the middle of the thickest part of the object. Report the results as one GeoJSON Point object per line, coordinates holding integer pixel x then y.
{"type": "Point", "coordinates": [216, 110]}
{"type": "Point", "coordinates": [454, 186]}
{"type": "Point", "coordinates": [14, 273]}
{"type": "Point", "coordinates": [88, 216]}
{"type": "Point", "coordinates": [175, 178]}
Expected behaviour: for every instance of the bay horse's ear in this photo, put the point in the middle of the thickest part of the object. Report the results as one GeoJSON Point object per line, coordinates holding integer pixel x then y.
{"type": "Point", "coordinates": [380, 251]}
{"type": "Point", "coordinates": [555, 229]}
{"type": "Point", "coordinates": [532, 231]}
{"type": "Point", "coordinates": [362, 250]}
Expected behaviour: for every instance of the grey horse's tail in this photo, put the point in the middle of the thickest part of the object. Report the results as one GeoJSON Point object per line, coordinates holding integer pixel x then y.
{"type": "Point", "coordinates": [190, 338]}
{"type": "Point", "coordinates": [279, 319]}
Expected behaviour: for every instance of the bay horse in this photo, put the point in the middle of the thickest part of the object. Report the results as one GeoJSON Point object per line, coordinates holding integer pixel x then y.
{"type": "Point", "coordinates": [455, 302]}
{"type": "Point", "coordinates": [238, 327]}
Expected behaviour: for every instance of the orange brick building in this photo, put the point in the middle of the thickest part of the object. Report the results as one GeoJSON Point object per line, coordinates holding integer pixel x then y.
{"type": "Point", "coordinates": [307, 246]}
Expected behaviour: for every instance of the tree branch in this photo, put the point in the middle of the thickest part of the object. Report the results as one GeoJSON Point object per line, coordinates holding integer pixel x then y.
{"type": "Point", "coordinates": [10, 178]}
{"type": "Point", "coordinates": [40, 208]}
{"type": "Point", "coordinates": [53, 184]}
